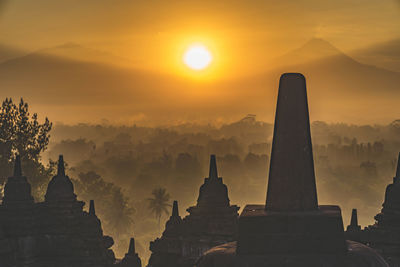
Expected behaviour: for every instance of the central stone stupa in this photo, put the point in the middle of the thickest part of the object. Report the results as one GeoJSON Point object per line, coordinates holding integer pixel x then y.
{"type": "Point", "coordinates": [291, 229]}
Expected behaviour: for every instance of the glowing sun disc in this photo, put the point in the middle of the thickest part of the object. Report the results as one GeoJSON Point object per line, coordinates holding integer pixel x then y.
{"type": "Point", "coordinates": [197, 57]}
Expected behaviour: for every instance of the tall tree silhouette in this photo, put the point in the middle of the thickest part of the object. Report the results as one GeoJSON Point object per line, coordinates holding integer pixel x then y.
{"type": "Point", "coordinates": [159, 203]}
{"type": "Point", "coordinates": [21, 133]}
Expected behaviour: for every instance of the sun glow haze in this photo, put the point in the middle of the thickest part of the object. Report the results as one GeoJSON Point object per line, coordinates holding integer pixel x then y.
{"type": "Point", "coordinates": [197, 57]}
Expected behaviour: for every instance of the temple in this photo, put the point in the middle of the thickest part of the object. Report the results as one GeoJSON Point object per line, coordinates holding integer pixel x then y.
{"type": "Point", "coordinates": [212, 222]}
{"type": "Point", "coordinates": [17, 191]}
{"type": "Point", "coordinates": [17, 220]}
{"type": "Point", "coordinates": [384, 235]}
{"type": "Point", "coordinates": [56, 232]}
{"type": "Point", "coordinates": [168, 250]}
{"type": "Point", "coordinates": [131, 258]}
{"type": "Point", "coordinates": [291, 229]}
{"type": "Point", "coordinates": [353, 231]}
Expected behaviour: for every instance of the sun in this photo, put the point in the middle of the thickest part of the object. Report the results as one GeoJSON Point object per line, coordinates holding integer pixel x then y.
{"type": "Point", "coordinates": [197, 57]}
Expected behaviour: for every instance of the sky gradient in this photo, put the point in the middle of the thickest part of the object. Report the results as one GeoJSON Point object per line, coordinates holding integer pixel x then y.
{"type": "Point", "coordinates": [153, 33]}
{"type": "Point", "coordinates": [250, 44]}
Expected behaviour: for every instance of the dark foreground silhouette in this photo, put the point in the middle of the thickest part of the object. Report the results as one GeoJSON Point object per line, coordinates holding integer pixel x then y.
{"type": "Point", "coordinates": [291, 229]}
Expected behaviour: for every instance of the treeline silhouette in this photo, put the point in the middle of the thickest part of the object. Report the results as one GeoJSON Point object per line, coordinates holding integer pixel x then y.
{"type": "Point", "coordinates": [353, 163]}
{"type": "Point", "coordinates": [123, 168]}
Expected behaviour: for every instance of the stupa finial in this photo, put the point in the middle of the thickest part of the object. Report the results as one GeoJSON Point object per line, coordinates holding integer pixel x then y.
{"type": "Point", "coordinates": [92, 210]}
{"type": "Point", "coordinates": [17, 166]}
{"type": "Point", "coordinates": [397, 177]}
{"type": "Point", "coordinates": [132, 249]}
{"type": "Point", "coordinates": [61, 168]}
{"type": "Point", "coordinates": [354, 218]}
{"type": "Point", "coordinates": [213, 168]}
{"type": "Point", "coordinates": [291, 184]}
{"type": "Point", "coordinates": [175, 210]}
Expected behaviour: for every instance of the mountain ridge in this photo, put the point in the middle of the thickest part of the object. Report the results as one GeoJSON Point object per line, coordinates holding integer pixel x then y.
{"type": "Point", "coordinates": [342, 86]}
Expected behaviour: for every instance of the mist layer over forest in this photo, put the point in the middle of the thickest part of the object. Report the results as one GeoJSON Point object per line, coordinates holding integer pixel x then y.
{"type": "Point", "coordinates": [120, 166]}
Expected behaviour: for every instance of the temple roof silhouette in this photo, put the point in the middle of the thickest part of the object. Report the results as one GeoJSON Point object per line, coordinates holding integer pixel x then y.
{"type": "Point", "coordinates": [56, 232]}
{"type": "Point", "coordinates": [172, 226]}
{"type": "Point", "coordinates": [17, 189]}
{"type": "Point", "coordinates": [213, 192]}
{"type": "Point", "coordinates": [60, 187]}
{"type": "Point", "coordinates": [211, 222]}
{"type": "Point", "coordinates": [384, 234]}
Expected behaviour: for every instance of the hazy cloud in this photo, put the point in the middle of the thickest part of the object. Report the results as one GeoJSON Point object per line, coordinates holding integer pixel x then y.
{"type": "Point", "coordinates": [2, 5]}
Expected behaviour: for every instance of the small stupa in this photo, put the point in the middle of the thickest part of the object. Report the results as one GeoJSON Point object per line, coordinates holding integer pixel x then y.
{"type": "Point", "coordinates": [78, 234]}
{"type": "Point", "coordinates": [353, 231]}
{"type": "Point", "coordinates": [60, 188]}
{"type": "Point", "coordinates": [167, 250]}
{"type": "Point", "coordinates": [56, 232]}
{"type": "Point", "coordinates": [211, 222]}
{"type": "Point", "coordinates": [131, 258]}
{"type": "Point", "coordinates": [17, 191]}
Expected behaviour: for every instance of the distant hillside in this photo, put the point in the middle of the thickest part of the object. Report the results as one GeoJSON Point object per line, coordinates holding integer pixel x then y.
{"type": "Point", "coordinates": [56, 80]}
{"type": "Point", "coordinates": [73, 51]}
{"type": "Point", "coordinates": [83, 90]}
{"type": "Point", "coordinates": [312, 50]}
{"type": "Point", "coordinates": [71, 88]}
{"type": "Point", "coordinates": [340, 86]}
{"type": "Point", "coordinates": [386, 55]}
{"type": "Point", "coordinates": [7, 52]}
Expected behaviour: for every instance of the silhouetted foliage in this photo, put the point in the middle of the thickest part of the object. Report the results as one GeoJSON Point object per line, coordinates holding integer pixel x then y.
{"type": "Point", "coordinates": [111, 206]}
{"type": "Point", "coordinates": [21, 133]}
{"type": "Point", "coordinates": [159, 203]}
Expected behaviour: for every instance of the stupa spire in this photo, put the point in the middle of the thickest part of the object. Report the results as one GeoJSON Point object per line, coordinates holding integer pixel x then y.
{"type": "Point", "coordinates": [353, 229]}
{"type": "Point", "coordinates": [175, 210]}
{"type": "Point", "coordinates": [291, 184]}
{"type": "Point", "coordinates": [354, 218]}
{"type": "Point", "coordinates": [397, 177]}
{"type": "Point", "coordinates": [60, 187]}
{"type": "Point", "coordinates": [131, 258]}
{"type": "Point", "coordinates": [213, 168]}
{"type": "Point", "coordinates": [213, 192]}
{"type": "Point", "coordinates": [17, 166]}
{"type": "Point", "coordinates": [132, 249]}
{"type": "Point", "coordinates": [61, 168]}
{"type": "Point", "coordinates": [92, 210]}
{"type": "Point", "coordinates": [17, 189]}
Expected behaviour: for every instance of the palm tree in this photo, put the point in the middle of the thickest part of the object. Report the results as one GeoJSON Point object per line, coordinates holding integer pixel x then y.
{"type": "Point", "coordinates": [159, 203]}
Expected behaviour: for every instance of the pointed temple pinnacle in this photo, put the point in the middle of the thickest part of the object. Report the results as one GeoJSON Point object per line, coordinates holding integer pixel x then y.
{"type": "Point", "coordinates": [291, 184]}
{"type": "Point", "coordinates": [213, 168]}
{"type": "Point", "coordinates": [61, 168]}
{"type": "Point", "coordinates": [354, 218]}
{"type": "Point", "coordinates": [92, 210]}
{"type": "Point", "coordinates": [398, 168]}
{"type": "Point", "coordinates": [132, 249]}
{"type": "Point", "coordinates": [17, 166]}
{"type": "Point", "coordinates": [175, 210]}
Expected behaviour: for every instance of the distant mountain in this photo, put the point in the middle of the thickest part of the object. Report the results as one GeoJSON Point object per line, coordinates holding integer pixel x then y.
{"type": "Point", "coordinates": [72, 90]}
{"type": "Point", "coordinates": [386, 55]}
{"type": "Point", "coordinates": [340, 85]}
{"type": "Point", "coordinates": [312, 50]}
{"type": "Point", "coordinates": [73, 51]}
{"type": "Point", "coordinates": [7, 52]}
{"type": "Point", "coordinates": [71, 87]}
{"type": "Point", "coordinates": [321, 60]}
{"type": "Point", "coordinates": [55, 80]}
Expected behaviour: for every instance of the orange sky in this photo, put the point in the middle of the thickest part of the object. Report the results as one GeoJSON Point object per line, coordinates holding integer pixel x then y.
{"type": "Point", "coordinates": [244, 37]}
{"type": "Point", "coordinates": [153, 33]}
